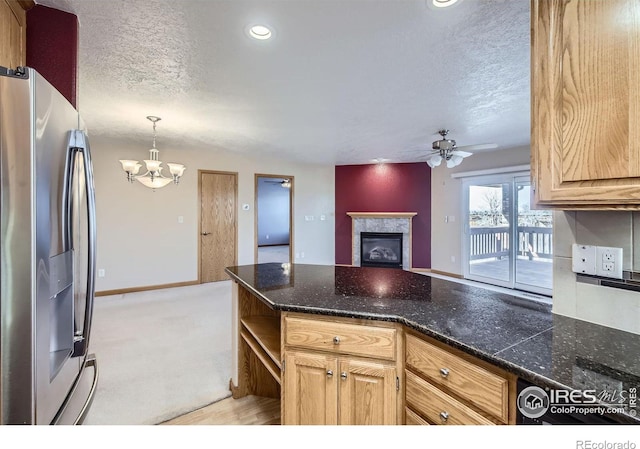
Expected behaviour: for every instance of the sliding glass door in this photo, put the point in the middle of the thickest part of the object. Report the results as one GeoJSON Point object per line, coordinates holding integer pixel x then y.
{"type": "Point", "coordinates": [506, 243]}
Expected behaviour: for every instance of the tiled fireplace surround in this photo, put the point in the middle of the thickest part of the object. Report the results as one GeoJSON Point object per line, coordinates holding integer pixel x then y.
{"type": "Point", "coordinates": [381, 222]}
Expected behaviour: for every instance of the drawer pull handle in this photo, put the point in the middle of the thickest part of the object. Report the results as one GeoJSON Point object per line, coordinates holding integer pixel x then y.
{"type": "Point", "coordinates": [336, 340]}
{"type": "Point", "coordinates": [444, 416]}
{"type": "Point", "coordinates": [343, 375]}
{"type": "Point", "coordinates": [444, 372]}
{"type": "Point", "coordinates": [329, 373]}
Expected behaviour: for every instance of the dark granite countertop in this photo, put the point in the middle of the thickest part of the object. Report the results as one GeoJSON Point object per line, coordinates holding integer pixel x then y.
{"type": "Point", "coordinates": [519, 335]}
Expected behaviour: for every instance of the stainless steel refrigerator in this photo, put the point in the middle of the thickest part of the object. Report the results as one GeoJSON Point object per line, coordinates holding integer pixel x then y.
{"type": "Point", "coordinates": [47, 263]}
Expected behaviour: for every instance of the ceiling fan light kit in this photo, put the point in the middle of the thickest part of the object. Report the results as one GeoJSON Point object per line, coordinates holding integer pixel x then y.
{"type": "Point", "coordinates": [440, 4]}
{"type": "Point", "coordinates": [446, 149]}
{"type": "Point", "coordinates": [443, 3]}
{"type": "Point", "coordinates": [284, 183]}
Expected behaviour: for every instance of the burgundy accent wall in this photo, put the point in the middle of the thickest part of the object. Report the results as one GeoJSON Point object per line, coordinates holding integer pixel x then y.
{"type": "Point", "coordinates": [384, 188]}
{"type": "Point", "coordinates": [52, 48]}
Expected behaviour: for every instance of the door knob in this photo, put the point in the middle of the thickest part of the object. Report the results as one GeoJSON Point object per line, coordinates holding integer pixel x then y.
{"type": "Point", "coordinates": [206, 233]}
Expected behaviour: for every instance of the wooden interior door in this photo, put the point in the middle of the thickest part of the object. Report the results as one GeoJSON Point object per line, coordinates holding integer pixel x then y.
{"type": "Point", "coordinates": [218, 224]}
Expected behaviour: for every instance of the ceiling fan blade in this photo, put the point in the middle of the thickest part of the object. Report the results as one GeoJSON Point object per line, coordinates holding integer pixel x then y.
{"type": "Point", "coordinates": [480, 147]}
{"type": "Point", "coordinates": [461, 153]}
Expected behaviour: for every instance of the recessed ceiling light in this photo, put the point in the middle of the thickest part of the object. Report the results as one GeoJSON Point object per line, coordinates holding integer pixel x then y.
{"type": "Point", "coordinates": [443, 3]}
{"type": "Point", "coordinates": [260, 32]}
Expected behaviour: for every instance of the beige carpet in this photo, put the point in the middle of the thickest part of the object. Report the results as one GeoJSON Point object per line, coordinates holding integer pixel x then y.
{"type": "Point", "coordinates": [161, 353]}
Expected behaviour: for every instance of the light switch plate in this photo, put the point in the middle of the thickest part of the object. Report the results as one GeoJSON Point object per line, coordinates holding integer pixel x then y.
{"type": "Point", "coordinates": [583, 259]}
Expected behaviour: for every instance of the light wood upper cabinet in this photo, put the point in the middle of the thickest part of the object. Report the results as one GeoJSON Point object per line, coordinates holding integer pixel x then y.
{"type": "Point", "coordinates": [13, 33]}
{"type": "Point", "coordinates": [585, 141]}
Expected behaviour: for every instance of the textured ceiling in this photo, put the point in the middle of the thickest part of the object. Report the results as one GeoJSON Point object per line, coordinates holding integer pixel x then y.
{"type": "Point", "coordinates": [341, 82]}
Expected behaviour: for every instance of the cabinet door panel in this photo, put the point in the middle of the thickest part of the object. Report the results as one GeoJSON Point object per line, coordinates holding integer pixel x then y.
{"type": "Point", "coordinates": [310, 395]}
{"type": "Point", "coordinates": [585, 140]}
{"type": "Point", "coordinates": [12, 34]}
{"type": "Point", "coordinates": [599, 135]}
{"type": "Point", "coordinates": [368, 393]}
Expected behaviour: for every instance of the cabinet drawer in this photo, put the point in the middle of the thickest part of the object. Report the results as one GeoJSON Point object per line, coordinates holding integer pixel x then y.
{"type": "Point", "coordinates": [483, 388]}
{"type": "Point", "coordinates": [413, 419]}
{"type": "Point", "coordinates": [344, 338]}
{"type": "Point", "coordinates": [437, 406]}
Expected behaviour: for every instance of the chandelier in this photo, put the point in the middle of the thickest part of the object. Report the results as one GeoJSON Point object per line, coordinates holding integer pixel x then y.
{"type": "Point", "coordinates": [153, 178]}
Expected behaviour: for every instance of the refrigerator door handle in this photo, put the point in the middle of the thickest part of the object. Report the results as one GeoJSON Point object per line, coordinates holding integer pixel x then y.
{"type": "Point", "coordinates": [74, 412]}
{"type": "Point", "coordinates": [81, 145]}
{"type": "Point", "coordinates": [67, 187]}
{"type": "Point", "coordinates": [90, 362]}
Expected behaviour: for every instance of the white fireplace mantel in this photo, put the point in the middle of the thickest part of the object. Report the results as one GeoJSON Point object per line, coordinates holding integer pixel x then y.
{"type": "Point", "coordinates": [382, 214]}
{"type": "Point", "coordinates": [382, 222]}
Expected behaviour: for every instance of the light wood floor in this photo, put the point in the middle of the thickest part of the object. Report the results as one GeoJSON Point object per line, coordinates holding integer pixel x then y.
{"type": "Point", "coordinates": [249, 410]}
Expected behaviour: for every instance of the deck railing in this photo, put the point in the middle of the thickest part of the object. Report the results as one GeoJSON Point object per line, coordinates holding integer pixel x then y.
{"type": "Point", "coordinates": [490, 242]}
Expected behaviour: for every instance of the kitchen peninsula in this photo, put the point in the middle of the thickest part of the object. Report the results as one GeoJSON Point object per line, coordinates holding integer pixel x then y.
{"type": "Point", "coordinates": [351, 345]}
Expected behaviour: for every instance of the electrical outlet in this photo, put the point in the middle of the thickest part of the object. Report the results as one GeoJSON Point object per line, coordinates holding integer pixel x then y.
{"type": "Point", "coordinates": [608, 266]}
{"type": "Point", "coordinates": [266, 236]}
{"type": "Point", "coordinates": [609, 262]}
{"type": "Point", "coordinates": [583, 259]}
{"type": "Point", "coordinates": [101, 273]}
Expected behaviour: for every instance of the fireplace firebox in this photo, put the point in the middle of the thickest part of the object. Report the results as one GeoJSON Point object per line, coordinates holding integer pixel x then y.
{"type": "Point", "coordinates": [381, 249]}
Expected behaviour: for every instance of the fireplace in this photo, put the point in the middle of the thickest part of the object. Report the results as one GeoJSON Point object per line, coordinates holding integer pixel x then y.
{"type": "Point", "coordinates": [381, 249]}
{"type": "Point", "coordinates": [383, 223]}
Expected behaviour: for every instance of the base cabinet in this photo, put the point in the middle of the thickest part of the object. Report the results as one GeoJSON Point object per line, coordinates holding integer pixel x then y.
{"type": "Point", "coordinates": [348, 371]}
{"type": "Point", "coordinates": [368, 393]}
{"type": "Point", "coordinates": [325, 389]}
{"type": "Point", "coordinates": [444, 386]}
{"type": "Point", "coordinates": [340, 371]}
{"type": "Point", "coordinates": [310, 389]}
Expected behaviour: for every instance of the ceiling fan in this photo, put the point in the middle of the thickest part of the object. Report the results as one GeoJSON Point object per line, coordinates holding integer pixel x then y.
{"type": "Point", "coordinates": [286, 183]}
{"type": "Point", "coordinates": [446, 149]}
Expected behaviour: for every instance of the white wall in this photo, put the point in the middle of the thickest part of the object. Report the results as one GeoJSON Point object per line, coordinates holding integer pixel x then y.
{"type": "Point", "coordinates": [446, 200]}
{"type": "Point", "coordinates": [141, 243]}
